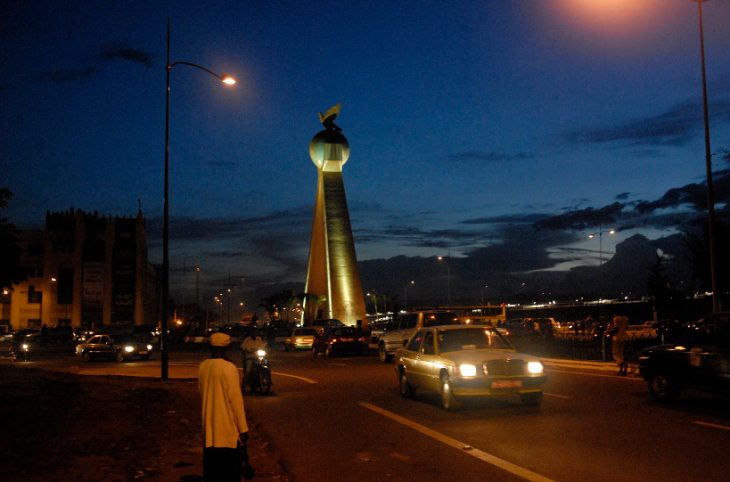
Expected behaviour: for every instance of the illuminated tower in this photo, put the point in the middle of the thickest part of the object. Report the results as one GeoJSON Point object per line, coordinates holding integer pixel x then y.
{"type": "Point", "coordinates": [332, 272]}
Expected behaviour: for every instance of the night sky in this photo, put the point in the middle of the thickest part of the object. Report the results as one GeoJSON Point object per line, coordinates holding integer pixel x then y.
{"type": "Point", "coordinates": [471, 124]}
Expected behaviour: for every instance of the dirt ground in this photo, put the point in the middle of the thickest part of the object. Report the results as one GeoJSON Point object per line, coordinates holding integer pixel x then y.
{"type": "Point", "coordinates": [65, 427]}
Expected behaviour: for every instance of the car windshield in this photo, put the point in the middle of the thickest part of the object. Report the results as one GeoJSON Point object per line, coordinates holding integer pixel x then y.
{"type": "Point", "coordinates": [439, 319]}
{"type": "Point", "coordinates": [470, 339]}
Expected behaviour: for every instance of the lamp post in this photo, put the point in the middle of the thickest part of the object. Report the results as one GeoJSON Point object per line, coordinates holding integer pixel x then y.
{"type": "Point", "coordinates": [197, 285]}
{"type": "Point", "coordinates": [600, 242]}
{"type": "Point", "coordinates": [600, 256]}
{"type": "Point", "coordinates": [374, 296]}
{"type": "Point", "coordinates": [405, 293]}
{"type": "Point", "coordinates": [483, 290]}
{"type": "Point", "coordinates": [708, 167]}
{"type": "Point", "coordinates": [226, 79]}
{"type": "Point", "coordinates": [448, 275]}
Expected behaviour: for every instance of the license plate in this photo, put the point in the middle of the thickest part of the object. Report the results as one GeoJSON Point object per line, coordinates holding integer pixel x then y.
{"type": "Point", "coordinates": [507, 384]}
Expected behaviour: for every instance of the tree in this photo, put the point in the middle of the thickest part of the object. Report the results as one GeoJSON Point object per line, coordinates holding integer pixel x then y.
{"type": "Point", "coordinates": [660, 290]}
{"type": "Point", "coordinates": [10, 270]}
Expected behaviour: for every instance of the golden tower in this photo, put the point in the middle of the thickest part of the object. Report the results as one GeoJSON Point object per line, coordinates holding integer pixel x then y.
{"type": "Point", "coordinates": [332, 273]}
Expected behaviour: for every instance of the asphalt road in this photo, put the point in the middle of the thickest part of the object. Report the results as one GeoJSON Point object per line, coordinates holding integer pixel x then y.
{"type": "Point", "coordinates": [343, 419]}
{"type": "Point", "coordinates": [334, 419]}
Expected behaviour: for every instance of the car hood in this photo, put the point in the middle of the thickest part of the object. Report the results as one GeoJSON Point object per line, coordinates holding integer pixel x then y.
{"type": "Point", "coordinates": [487, 354]}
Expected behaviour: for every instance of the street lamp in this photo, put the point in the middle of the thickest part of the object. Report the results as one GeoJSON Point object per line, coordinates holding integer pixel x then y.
{"type": "Point", "coordinates": [448, 275]}
{"type": "Point", "coordinates": [405, 294]}
{"type": "Point", "coordinates": [483, 290]}
{"type": "Point", "coordinates": [226, 79]}
{"type": "Point", "coordinates": [600, 242]}
{"type": "Point", "coordinates": [708, 168]}
{"type": "Point", "coordinates": [374, 296]}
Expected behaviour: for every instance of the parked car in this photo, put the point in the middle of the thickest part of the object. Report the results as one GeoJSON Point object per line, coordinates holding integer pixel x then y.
{"type": "Point", "coordinates": [300, 339]}
{"type": "Point", "coordinates": [460, 362]}
{"type": "Point", "coordinates": [339, 341]}
{"type": "Point", "coordinates": [700, 360]}
{"type": "Point", "coordinates": [119, 348]}
{"type": "Point", "coordinates": [400, 330]}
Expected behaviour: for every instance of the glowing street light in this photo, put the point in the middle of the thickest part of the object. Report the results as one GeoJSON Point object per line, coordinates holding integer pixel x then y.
{"type": "Point", "coordinates": [448, 275]}
{"type": "Point", "coordinates": [405, 293]}
{"type": "Point", "coordinates": [228, 80]}
{"type": "Point", "coordinates": [600, 234]}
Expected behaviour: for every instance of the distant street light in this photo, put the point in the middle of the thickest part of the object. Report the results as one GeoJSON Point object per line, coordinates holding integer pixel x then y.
{"type": "Point", "coordinates": [374, 296]}
{"type": "Point", "coordinates": [600, 234]}
{"type": "Point", "coordinates": [708, 168]}
{"type": "Point", "coordinates": [447, 260]}
{"type": "Point", "coordinates": [405, 294]}
{"type": "Point", "coordinates": [226, 79]}
{"type": "Point", "coordinates": [484, 292]}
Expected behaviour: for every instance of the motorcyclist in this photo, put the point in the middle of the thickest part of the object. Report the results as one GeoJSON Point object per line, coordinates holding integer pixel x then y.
{"type": "Point", "coordinates": [250, 345]}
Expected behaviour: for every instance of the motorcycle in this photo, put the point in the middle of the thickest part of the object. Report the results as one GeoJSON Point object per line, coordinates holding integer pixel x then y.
{"type": "Point", "coordinates": [258, 374]}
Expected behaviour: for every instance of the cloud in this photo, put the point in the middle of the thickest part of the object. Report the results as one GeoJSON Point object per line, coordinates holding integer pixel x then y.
{"type": "Point", "coordinates": [490, 156]}
{"type": "Point", "coordinates": [673, 127]}
{"type": "Point", "coordinates": [109, 52]}
{"type": "Point", "coordinates": [693, 195]}
{"type": "Point", "coordinates": [119, 51]}
{"type": "Point", "coordinates": [507, 219]}
{"type": "Point", "coordinates": [583, 218]}
{"type": "Point", "coordinates": [67, 75]}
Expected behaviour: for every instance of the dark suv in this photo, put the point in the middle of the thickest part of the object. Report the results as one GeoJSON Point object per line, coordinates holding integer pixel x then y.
{"type": "Point", "coordinates": [700, 360]}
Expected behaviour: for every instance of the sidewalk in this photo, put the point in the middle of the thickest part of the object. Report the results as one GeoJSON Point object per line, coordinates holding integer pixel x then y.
{"type": "Point", "coordinates": [185, 462]}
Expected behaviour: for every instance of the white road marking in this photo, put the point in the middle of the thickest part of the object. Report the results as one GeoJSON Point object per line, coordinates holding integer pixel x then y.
{"type": "Point", "coordinates": [304, 379]}
{"type": "Point", "coordinates": [464, 448]}
{"type": "Point", "coordinates": [555, 395]}
{"type": "Point", "coordinates": [600, 375]}
{"type": "Point", "coordinates": [712, 425]}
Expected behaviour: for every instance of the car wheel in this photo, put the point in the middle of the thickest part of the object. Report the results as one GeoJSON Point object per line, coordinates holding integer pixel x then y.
{"type": "Point", "coordinates": [119, 357]}
{"type": "Point", "coordinates": [86, 356]}
{"type": "Point", "coordinates": [448, 401]}
{"type": "Point", "coordinates": [531, 399]}
{"type": "Point", "coordinates": [406, 390]}
{"type": "Point", "coordinates": [662, 388]}
{"type": "Point", "coordinates": [382, 354]}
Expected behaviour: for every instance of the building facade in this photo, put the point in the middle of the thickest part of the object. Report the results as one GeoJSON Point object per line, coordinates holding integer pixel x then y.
{"type": "Point", "coordinates": [85, 271]}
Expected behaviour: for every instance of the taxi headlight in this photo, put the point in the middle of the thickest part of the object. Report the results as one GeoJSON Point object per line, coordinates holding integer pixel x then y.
{"type": "Point", "coordinates": [261, 353]}
{"type": "Point", "coordinates": [534, 367]}
{"type": "Point", "coordinates": [467, 370]}
{"type": "Point", "coordinates": [129, 348]}
{"type": "Point", "coordinates": [25, 346]}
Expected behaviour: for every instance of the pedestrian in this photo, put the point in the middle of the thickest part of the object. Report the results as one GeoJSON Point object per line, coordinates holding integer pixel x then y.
{"type": "Point", "coordinates": [225, 430]}
{"type": "Point", "coordinates": [618, 342]}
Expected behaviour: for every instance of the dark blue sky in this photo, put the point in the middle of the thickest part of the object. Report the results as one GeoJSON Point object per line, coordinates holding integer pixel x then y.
{"type": "Point", "coordinates": [468, 122]}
